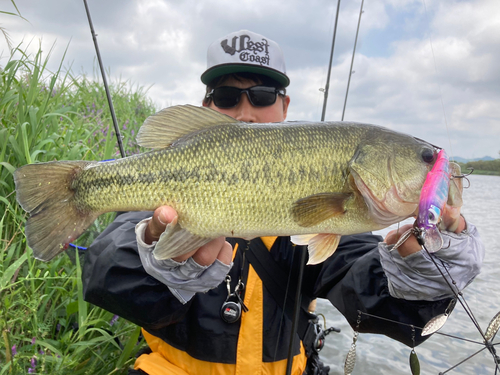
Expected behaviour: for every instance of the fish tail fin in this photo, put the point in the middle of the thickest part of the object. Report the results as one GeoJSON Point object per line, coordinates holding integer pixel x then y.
{"type": "Point", "coordinates": [46, 192]}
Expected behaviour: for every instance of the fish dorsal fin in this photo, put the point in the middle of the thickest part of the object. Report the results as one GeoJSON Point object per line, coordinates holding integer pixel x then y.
{"type": "Point", "coordinates": [165, 127]}
{"type": "Point", "coordinates": [314, 209]}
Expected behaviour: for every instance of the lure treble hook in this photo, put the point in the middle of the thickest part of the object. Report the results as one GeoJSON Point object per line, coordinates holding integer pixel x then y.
{"type": "Point", "coordinates": [464, 176]}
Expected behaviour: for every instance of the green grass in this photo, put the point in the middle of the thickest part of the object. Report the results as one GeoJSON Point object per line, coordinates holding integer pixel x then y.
{"type": "Point", "coordinates": [487, 173]}
{"type": "Point", "coordinates": [46, 326]}
{"type": "Point", "coordinates": [484, 167]}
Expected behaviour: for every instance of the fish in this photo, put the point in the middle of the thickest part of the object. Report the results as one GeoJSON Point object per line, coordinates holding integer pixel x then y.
{"type": "Point", "coordinates": [313, 181]}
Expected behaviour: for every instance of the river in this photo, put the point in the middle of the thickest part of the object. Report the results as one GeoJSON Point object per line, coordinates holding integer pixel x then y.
{"type": "Point", "coordinates": [377, 354]}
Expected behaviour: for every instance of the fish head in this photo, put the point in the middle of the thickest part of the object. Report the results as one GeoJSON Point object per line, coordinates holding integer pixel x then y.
{"type": "Point", "coordinates": [389, 170]}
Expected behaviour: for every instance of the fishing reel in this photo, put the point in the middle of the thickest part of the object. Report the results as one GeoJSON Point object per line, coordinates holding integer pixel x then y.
{"type": "Point", "coordinates": [314, 339]}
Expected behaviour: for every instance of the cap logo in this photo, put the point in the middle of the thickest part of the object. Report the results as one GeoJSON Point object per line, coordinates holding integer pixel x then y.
{"type": "Point", "coordinates": [249, 51]}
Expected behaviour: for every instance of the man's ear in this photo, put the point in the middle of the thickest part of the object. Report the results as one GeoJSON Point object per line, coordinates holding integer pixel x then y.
{"type": "Point", "coordinates": [286, 103]}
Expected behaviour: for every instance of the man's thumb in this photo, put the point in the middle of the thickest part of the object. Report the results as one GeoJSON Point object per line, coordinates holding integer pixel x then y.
{"type": "Point", "coordinates": [162, 216]}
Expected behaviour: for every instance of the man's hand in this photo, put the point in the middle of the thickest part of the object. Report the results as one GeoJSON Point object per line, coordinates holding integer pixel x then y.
{"type": "Point", "coordinates": [451, 220]}
{"type": "Point", "coordinates": [218, 248]}
{"type": "Point", "coordinates": [408, 247]}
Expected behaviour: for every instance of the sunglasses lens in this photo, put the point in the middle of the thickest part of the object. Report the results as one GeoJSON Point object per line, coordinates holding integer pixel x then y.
{"type": "Point", "coordinates": [229, 97]}
{"type": "Point", "coordinates": [226, 97]}
{"type": "Point", "coordinates": [262, 96]}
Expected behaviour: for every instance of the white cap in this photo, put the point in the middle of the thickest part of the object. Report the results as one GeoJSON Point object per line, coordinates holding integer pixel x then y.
{"type": "Point", "coordinates": [245, 51]}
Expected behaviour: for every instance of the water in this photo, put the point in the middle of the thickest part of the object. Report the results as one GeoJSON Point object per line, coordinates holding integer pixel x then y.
{"type": "Point", "coordinates": [377, 354]}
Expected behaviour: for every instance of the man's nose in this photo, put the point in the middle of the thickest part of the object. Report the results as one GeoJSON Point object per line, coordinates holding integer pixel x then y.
{"type": "Point", "coordinates": [245, 111]}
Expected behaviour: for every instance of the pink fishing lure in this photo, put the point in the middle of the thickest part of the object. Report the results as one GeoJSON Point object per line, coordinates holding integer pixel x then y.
{"type": "Point", "coordinates": [433, 198]}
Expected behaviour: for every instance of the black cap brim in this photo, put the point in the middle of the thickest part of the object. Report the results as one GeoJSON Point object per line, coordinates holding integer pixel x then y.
{"type": "Point", "coordinates": [219, 70]}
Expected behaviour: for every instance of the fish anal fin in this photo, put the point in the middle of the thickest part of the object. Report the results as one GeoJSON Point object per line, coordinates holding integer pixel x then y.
{"type": "Point", "coordinates": [170, 124]}
{"type": "Point", "coordinates": [315, 209]}
{"type": "Point", "coordinates": [176, 241]}
{"type": "Point", "coordinates": [322, 246]}
{"type": "Point", "coordinates": [302, 239]}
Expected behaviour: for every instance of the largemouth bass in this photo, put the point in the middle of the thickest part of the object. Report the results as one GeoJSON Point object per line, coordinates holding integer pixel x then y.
{"type": "Point", "coordinates": [312, 181]}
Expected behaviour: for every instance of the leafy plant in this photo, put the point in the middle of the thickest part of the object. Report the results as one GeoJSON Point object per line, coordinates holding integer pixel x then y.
{"type": "Point", "coordinates": [46, 325]}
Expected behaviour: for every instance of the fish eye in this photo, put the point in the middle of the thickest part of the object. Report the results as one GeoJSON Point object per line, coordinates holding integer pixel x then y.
{"type": "Point", "coordinates": [428, 155]}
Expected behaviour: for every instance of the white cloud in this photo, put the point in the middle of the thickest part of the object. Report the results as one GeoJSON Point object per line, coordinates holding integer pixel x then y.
{"type": "Point", "coordinates": [398, 82]}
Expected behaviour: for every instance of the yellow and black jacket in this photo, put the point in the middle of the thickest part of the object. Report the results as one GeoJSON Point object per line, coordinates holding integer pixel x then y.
{"type": "Point", "coordinates": [193, 339]}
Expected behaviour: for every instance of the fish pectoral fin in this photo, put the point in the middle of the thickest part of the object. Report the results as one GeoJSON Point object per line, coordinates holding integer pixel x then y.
{"type": "Point", "coordinates": [320, 246]}
{"type": "Point", "coordinates": [314, 209]}
{"type": "Point", "coordinates": [176, 241]}
{"type": "Point", "coordinates": [168, 125]}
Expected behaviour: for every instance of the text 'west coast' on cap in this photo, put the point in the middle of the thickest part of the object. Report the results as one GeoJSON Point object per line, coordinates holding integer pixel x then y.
{"type": "Point", "coordinates": [245, 51]}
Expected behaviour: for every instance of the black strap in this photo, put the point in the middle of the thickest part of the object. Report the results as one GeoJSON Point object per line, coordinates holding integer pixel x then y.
{"type": "Point", "coordinates": [276, 281]}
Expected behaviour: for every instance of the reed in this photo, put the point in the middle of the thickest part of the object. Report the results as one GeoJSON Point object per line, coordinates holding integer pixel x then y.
{"type": "Point", "coordinates": [46, 326]}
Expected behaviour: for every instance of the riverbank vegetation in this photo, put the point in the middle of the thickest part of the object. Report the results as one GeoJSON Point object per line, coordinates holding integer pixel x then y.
{"type": "Point", "coordinates": [46, 326]}
{"type": "Point", "coordinates": [485, 167]}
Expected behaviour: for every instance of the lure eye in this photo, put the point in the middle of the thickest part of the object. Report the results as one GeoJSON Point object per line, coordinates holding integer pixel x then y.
{"type": "Point", "coordinates": [428, 155]}
{"type": "Point", "coordinates": [433, 215]}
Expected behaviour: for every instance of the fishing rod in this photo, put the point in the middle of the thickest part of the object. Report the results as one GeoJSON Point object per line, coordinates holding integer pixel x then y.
{"type": "Point", "coordinates": [104, 80]}
{"type": "Point", "coordinates": [327, 85]}
{"type": "Point", "coordinates": [296, 308]}
{"type": "Point", "coordinates": [108, 95]}
{"type": "Point", "coordinates": [352, 59]}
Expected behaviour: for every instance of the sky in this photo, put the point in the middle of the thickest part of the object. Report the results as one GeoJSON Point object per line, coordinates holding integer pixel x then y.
{"type": "Point", "coordinates": [429, 68]}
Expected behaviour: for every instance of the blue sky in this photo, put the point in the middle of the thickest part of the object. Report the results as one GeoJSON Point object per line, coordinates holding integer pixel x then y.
{"type": "Point", "coordinates": [405, 23]}
{"type": "Point", "coordinates": [448, 94]}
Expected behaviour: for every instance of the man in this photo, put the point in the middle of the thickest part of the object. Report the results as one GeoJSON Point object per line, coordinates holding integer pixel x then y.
{"type": "Point", "coordinates": [188, 307]}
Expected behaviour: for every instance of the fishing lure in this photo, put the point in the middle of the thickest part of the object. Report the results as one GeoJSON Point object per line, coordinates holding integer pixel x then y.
{"type": "Point", "coordinates": [433, 198]}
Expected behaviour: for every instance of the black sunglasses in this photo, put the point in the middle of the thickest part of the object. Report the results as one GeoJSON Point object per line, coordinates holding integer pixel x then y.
{"type": "Point", "coordinates": [259, 96]}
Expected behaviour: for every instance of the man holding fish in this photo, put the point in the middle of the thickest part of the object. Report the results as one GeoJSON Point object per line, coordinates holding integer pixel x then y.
{"type": "Point", "coordinates": [203, 306]}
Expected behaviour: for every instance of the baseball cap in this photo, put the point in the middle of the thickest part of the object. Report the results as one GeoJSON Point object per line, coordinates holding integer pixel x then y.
{"type": "Point", "coordinates": [245, 51]}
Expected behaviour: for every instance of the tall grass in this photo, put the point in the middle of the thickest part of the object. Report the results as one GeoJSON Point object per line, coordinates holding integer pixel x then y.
{"type": "Point", "coordinates": [46, 326]}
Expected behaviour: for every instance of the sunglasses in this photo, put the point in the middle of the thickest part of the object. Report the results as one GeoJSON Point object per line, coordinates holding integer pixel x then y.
{"type": "Point", "coordinates": [259, 96]}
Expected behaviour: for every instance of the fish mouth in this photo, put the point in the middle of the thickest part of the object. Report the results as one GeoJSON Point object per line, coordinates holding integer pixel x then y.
{"type": "Point", "coordinates": [388, 210]}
